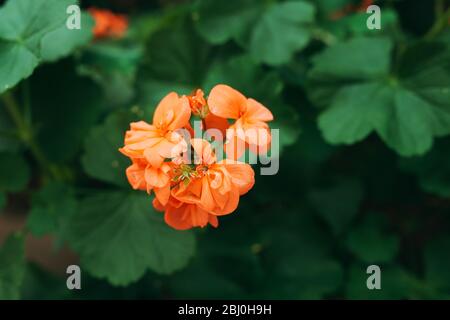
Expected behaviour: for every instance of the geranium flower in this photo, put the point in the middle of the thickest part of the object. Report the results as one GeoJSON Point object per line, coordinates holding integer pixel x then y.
{"type": "Point", "coordinates": [191, 186]}
{"type": "Point", "coordinates": [159, 140]}
{"type": "Point", "coordinates": [183, 216]}
{"type": "Point", "coordinates": [349, 8]}
{"type": "Point", "coordinates": [209, 190]}
{"type": "Point", "coordinates": [200, 109]}
{"type": "Point", "coordinates": [215, 186]}
{"type": "Point", "coordinates": [108, 24]}
{"type": "Point", "coordinates": [249, 129]}
{"type": "Point", "coordinates": [142, 176]}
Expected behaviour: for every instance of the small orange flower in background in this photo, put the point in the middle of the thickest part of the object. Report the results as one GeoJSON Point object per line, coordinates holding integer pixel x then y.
{"type": "Point", "coordinates": [348, 9]}
{"type": "Point", "coordinates": [108, 24]}
{"type": "Point", "coordinates": [191, 185]}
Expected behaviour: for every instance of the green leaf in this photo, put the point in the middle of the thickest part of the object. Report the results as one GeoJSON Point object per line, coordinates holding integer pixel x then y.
{"type": "Point", "coordinates": [190, 283]}
{"type": "Point", "coordinates": [300, 278]}
{"type": "Point", "coordinates": [243, 74]}
{"type": "Point", "coordinates": [62, 41]}
{"type": "Point", "coordinates": [407, 108]}
{"type": "Point", "coordinates": [272, 32]}
{"type": "Point", "coordinates": [353, 24]}
{"type": "Point", "coordinates": [24, 24]}
{"type": "Point", "coordinates": [336, 62]}
{"type": "Point", "coordinates": [298, 259]}
{"type": "Point", "coordinates": [437, 264]}
{"type": "Point", "coordinates": [371, 243]}
{"type": "Point", "coordinates": [396, 283]}
{"type": "Point", "coordinates": [282, 31]}
{"type": "Point", "coordinates": [338, 203]}
{"type": "Point", "coordinates": [176, 59]}
{"type": "Point", "coordinates": [119, 236]}
{"type": "Point", "coordinates": [14, 172]}
{"type": "Point", "coordinates": [51, 207]}
{"type": "Point", "coordinates": [12, 267]}
{"type": "Point", "coordinates": [113, 65]}
{"type": "Point", "coordinates": [102, 159]}
{"type": "Point", "coordinates": [433, 169]}
{"type": "Point", "coordinates": [39, 284]}
{"type": "Point", "coordinates": [211, 17]}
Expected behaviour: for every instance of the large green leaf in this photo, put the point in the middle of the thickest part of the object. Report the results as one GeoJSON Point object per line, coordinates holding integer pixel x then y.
{"type": "Point", "coordinates": [433, 169]}
{"type": "Point", "coordinates": [370, 242]}
{"type": "Point", "coordinates": [176, 59]}
{"type": "Point", "coordinates": [407, 104]}
{"type": "Point", "coordinates": [62, 41]}
{"type": "Point", "coordinates": [211, 17]}
{"type": "Point", "coordinates": [272, 31]}
{"type": "Point", "coordinates": [298, 259]}
{"type": "Point", "coordinates": [282, 31]}
{"type": "Point", "coordinates": [29, 34]}
{"type": "Point", "coordinates": [14, 172]}
{"type": "Point", "coordinates": [51, 207]}
{"type": "Point", "coordinates": [102, 159]}
{"type": "Point", "coordinates": [12, 267]}
{"type": "Point", "coordinates": [119, 237]}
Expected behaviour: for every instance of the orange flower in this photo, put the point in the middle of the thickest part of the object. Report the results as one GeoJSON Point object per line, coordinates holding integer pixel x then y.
{"type": "Point", "coordinates": [349, 8]}
{"type": "Point", "coordinates": [194, 194]}
{"type": "Point", "coordinates": [108, 24]}
{"type": "Point", "coordinates": [183, 216]}
{"type": "Point", "coordinates": [211, 189]}
{"type": "Point", "coordinates": [199, 108]}
{"type": "Point", "coordinates": [159, 140]}
{"type": "Point", "coordinates": [250, 128]}
{"type": "Point", "coordinates": [215, 186]}
{"type": "Point", "coordinates": [142, 176]}
{"type": "Point", "coordinates": [197, 103]}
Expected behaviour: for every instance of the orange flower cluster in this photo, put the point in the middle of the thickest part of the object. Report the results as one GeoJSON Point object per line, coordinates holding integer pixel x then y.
{"type": "Point", "coordinates": [191, 185]}
{"type": "Point", "coordinates": [108, 24]}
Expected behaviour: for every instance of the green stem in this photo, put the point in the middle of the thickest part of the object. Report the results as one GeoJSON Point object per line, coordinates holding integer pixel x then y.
{"type": "Point", "coordinates": [26, 101]}
{"type": "Point", "coordinates": [324, 36]}
{"type": "Point", "coordinates": [25, 132]}
{"type": "Point", "coordinates": [441, 22]}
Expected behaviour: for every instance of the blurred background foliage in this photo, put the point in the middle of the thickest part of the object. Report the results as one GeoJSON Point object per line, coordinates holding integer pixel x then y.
{"type": "Point", "coordinates": [364, 118]}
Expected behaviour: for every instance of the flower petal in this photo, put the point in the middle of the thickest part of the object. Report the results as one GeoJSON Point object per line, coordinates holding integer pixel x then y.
{"type": "Point", "coordinates": [173, 112]}
{"type": "Point", "coordinates": [226, 102]}
{"type": "Point", "coordinates": [242, 175]}
{"type": "Point", "coordinates": [257, 112]}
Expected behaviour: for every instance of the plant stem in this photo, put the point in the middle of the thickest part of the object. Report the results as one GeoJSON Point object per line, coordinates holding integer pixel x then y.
{"type": "Point", "coordinates": [25, 131]}
{"type": "Point", "coordinates": [441, 22]}
{"type": "Point", "coordinates": [324, 36]}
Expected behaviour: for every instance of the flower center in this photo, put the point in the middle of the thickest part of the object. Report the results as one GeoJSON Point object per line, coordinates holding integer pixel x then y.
{"type": "Point", "coordinates": [185, 173]}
